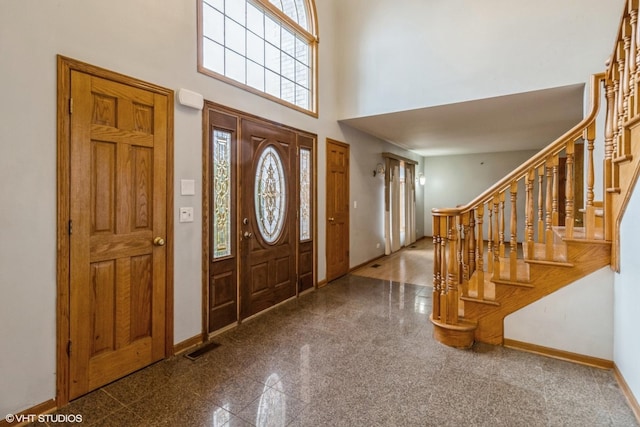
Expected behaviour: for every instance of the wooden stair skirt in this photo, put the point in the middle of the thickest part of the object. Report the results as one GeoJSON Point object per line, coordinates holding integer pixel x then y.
{"type": "Point", "coordinates": [483, 319]}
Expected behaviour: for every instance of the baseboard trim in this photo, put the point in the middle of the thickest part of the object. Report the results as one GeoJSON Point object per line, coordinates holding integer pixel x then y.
{"type": "Point", "coordinates": [359, 266]}
{"type": "Point", "coordinates": [187, 344]}
{"type": "Point", "coordinates": [33, 412]}
{"type": "Point", "coordinates": [631, 399]}
{"type": "Point", "coordinates": [364, 264]}
{"type": "Point", "coordinates": [321, 283]}
{"type": "Point", "coordinates": [559, 354]}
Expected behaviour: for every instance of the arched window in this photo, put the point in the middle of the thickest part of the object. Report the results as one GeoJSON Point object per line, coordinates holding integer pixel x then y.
{"type": "Point", "coordinates": [268, 47]}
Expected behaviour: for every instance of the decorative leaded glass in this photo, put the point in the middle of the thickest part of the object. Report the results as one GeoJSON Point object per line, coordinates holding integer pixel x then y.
{"type": "Point", "coordinates": [221, 193]}
{"type": "Point", "coordinates": [270, 195]}
{"type": "Point", "coordinates": [305, 194]}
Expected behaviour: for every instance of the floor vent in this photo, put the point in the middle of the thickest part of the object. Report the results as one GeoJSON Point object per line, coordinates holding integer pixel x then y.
{"type": "Point", "coordinates": [202, 350]}
{"type": "Point", "coordinates": [376, 266]}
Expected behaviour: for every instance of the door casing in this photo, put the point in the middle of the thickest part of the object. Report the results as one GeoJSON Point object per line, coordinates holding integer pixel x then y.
{"type": "Point", "coordinates": [65, 66]}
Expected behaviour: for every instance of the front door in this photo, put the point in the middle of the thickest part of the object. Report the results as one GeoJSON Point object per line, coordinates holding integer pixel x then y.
{"type": "Point", "coordinates": [118, 192]}
{"type": "Point", "coordinates": [337, 209]}
{"type": "Point", "coordinates": [268, 216]}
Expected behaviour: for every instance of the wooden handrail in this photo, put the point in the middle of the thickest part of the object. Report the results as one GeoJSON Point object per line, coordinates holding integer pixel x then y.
{"type": "Point", "coordinates": [538, 159]}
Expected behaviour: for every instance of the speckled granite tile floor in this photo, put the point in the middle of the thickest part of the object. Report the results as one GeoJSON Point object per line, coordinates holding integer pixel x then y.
{"type": "Point", "coordinates": [358, 352]}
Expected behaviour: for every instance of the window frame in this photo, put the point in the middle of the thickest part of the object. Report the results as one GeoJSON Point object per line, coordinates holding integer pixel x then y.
{"type": "Point", "coordinates": [311, 37]}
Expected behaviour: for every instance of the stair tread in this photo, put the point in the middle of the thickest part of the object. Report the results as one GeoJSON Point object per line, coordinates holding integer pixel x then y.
{"type": "Point", "coordinates": [580, 233]}
{"type": "Point", "coordinates": [480, 301]}
{"type": "Point", "coordinates": [550, 263]}
{"type": "Point", "coordinates": [462, 325]}
{"type": "Point", "coordinates": [513, 283]}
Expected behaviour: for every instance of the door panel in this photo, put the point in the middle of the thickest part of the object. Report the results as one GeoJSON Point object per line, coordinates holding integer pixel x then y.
{"type": "Point", "coordinates": [222, 285]}
{"type": "Point", "coordinates": [268, 237]}
{"type": "Point", "coordinates": [337, 209]}
{"type": "Point", "coordinates": [118, 196]}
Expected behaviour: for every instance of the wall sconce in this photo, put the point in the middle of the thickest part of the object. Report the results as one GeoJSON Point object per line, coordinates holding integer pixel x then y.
{"type": "Point", "coordinates": [379, 170]}
{"type": "Point", "coordinates": [421, 179]}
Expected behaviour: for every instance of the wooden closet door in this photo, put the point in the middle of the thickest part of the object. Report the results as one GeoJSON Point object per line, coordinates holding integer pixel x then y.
{"type": "Point", "coordinates": [118, 193]}
{"type": "Point", "coordinates": [337, 209]}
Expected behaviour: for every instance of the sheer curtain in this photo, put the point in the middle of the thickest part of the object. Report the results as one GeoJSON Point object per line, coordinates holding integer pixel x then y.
{"type": "Point", "coordinates": [392, 220]}
{"type": "Point", "coordinates": [410, 201]}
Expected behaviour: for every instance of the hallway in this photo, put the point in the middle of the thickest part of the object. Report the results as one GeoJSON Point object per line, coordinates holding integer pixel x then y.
{"type": "Point", "coordinates": [412, 264]}
{"type": "Point", "coordinates": [358, 352]}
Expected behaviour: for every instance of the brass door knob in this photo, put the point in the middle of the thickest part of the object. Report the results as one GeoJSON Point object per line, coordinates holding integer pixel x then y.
{"type": "Point", "coordinates": [331, 219]}
{"type": "Point", "coordinates": [158, 241]}
{"type": "Point", "coordinates": [248, 234]}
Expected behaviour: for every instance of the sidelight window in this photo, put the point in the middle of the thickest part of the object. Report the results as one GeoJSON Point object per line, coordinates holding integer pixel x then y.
{"type": "Point", "coordinates": [305, 194]}
{"type": "Point", "coordinates": [221, 184]}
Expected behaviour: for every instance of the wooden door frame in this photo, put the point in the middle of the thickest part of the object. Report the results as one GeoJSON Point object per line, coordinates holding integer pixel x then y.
{"type": "Point", "coordinates": [206, 192]}
{"type": "Point", "coordinates": [326, 228]}
{"type": "Point", "coordinates": [64, 67]}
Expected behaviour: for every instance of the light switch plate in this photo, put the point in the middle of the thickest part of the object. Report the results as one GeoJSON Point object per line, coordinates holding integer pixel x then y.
{"type": "Point", "coordinates": [187, 187]}
{"type": "Point", "coordinates": [186, 214]}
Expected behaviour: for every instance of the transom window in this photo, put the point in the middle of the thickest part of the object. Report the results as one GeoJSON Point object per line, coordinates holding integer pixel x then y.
{"type": "Point", "coordinates": [266, 47]}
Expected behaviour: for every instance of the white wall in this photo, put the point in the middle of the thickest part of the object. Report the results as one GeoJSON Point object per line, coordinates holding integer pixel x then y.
{"type": "Point", "coordinates": [456, 180]}
{"type": "Point", "coordinates": [577, 318]}
{"type": "Point", "coordinates": [626, 321]}
{"type": "Point", "coordinates": [401, 56]}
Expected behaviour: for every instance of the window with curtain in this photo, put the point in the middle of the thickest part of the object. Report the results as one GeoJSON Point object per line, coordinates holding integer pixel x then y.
{"type": "Point", "coordinates": [266, 47]}
{"type": "Point", "coordinates": [400, 203]}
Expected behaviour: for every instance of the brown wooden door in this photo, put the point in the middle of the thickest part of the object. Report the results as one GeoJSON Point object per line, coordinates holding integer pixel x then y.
{"type": "Point", "coordinates": [118, 194]}
{"type": "Point", "coordinates": [267, 212]}
{"type": "Point", "coordinates": [337, 209]}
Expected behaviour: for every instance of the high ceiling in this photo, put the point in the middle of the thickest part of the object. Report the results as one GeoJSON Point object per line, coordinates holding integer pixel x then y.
{"type": "Point", "coordinates": [523, 121]}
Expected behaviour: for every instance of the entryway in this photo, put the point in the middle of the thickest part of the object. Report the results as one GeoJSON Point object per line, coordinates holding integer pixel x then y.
{"type": "Point", "coordinates": [259, 215]}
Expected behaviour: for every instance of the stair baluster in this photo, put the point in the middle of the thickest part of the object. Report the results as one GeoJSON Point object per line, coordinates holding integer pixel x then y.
{"type": "Point", "coordinates": [569, 190]}
{"type": "Point", "coordinates": [480, 254]}
{"type": "Point", "coordinates": [529, 214]}
{"type": "Point", "coordinates": [513, 242]}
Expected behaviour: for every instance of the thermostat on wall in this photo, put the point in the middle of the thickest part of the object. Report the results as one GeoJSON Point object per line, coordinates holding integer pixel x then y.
{"type": "Point", "coordinates": [190, 98]}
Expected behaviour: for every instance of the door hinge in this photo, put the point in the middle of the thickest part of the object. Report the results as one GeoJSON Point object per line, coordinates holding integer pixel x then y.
{"type": "Point", "coordinates": [70, 105]}
{"type": "Point", "coordinates": [69, 348]}
{"type": "Point", "coordinates": [70, 227]}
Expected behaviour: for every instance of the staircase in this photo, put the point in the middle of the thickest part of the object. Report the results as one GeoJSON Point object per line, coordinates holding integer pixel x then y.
{"type": "Point", "coordinates": [543, 226]}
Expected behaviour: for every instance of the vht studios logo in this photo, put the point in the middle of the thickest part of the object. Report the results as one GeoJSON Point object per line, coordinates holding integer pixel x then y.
{"type": "Point", "coordinates": [43, 418]}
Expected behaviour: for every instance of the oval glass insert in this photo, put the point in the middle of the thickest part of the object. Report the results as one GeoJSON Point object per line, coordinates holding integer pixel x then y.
{"type": "Point", "coordinates": [270, 195]}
